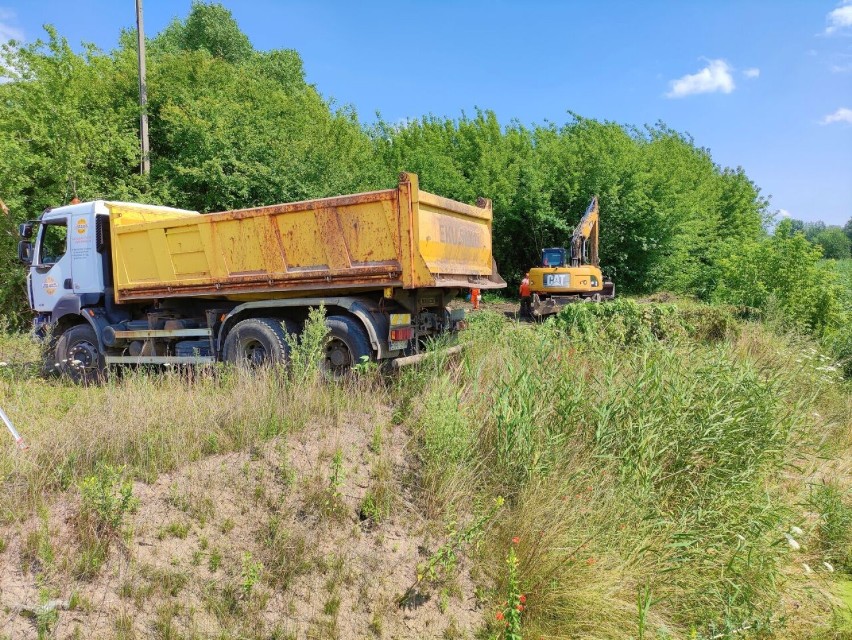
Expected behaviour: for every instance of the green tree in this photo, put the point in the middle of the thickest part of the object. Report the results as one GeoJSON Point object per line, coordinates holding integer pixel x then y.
{"type": "Point", "coordinates": [835, 243]}
{"type": "Point", "coordinates": [209, 27]}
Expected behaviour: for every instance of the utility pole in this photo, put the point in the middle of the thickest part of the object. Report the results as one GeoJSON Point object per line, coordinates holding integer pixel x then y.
{"type": "Point", "coordinates": [143, 93]}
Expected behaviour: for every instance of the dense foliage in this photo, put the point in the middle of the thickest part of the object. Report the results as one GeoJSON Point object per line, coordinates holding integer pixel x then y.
{"type": "Point", "coordinates": [235, 127]}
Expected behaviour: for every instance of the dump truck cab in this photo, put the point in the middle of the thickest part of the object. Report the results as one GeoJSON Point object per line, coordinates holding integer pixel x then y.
{"type": "Point", "coordinates": [64, 249]}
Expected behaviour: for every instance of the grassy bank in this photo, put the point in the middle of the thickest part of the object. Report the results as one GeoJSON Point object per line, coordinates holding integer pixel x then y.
{"type": "Point", "coordinates": [652, 473]}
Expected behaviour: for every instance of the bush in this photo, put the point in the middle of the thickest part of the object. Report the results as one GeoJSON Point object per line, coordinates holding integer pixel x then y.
{"type": "Point", "coordinates": [626, 322]}
{"type": "Point", "coordinates": [783, 270]}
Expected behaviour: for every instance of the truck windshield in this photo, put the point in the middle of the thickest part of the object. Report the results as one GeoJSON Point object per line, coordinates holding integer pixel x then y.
{"type": "Point", "coordinates": [552, 258]}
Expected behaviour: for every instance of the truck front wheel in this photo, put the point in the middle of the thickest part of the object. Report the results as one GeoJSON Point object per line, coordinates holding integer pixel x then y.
{"type": "Point", "coordinates": [347, 345]}
{"type": "Point", "coordinates": [77, 354]}
{"type": "Point", "coordinates": [258, 341]}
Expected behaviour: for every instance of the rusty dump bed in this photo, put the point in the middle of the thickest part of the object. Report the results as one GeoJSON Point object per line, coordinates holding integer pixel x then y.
{"type": "Point", "coordinates": [399, 237]}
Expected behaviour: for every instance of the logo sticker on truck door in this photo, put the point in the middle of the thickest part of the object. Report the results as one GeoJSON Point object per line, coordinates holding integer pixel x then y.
{"type": "Point", "coordinates": [49, 286]}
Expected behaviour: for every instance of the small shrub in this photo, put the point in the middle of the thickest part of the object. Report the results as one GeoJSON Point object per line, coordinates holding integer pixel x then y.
{"type": "Point", "coordinates": [307, 351]}
{"type": "Point", "coordinates": [107, 499]}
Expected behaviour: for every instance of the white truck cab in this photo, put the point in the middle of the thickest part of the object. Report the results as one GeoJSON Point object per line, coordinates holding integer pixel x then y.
{"type": "Point", "coordinates": [66, 261]}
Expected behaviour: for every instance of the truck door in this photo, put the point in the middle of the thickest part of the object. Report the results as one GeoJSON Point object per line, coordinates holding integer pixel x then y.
{"type": "Point", "coordinates": [51, 270]}
{"type": "Point", "coordinates": [86, 265]}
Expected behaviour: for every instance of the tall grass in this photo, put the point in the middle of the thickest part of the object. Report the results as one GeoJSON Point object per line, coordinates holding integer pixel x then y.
{"type": "Point", "coordinates": [641, 452]}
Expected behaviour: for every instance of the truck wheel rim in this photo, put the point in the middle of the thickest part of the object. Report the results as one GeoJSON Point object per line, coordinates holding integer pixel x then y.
{"type": "Point", "coordinates": [337, 355]}
{"type": "Point", "coordinates": [83, 356]}
{"type": "Point", "coordinates": [254, 353]}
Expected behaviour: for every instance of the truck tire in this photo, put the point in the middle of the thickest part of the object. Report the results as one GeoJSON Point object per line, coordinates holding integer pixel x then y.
{"type": "Point", "coordinates": [255, 342]}
{"type": "Point", "coordinates": [78, 356]}
{"type": "Point", "coordinates": [347, 346]}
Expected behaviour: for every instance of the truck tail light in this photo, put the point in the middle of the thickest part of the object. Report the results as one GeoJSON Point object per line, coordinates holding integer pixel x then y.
{"type": "Point", "coordinates": [400, 335]}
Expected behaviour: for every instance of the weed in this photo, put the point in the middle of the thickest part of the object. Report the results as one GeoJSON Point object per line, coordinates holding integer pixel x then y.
{"type": "Point", "coordinates": [441, 563]}
{"type": "Point", "coordinates": [165, 624]}
{"type": "Point", "coordinates": [835, 524]}
{"type": "Point", "coordinates": [327, 501]}
{"type": "Point", "coordinates": [46, 616]}
{"type": "Point", "coordinates": [37, 553]}
{"type": "Point", "coordinates": [284, 554]}
{"type": "Point", "coordinates": [227, 526]}
{"type": "Point", "coordinates": [123, 627]}
{"type": "Point", "coordinates": [509, 616]}
{"type": "Point", "coordinates": [331, 606]}
{"type": "Point", "coordinates": [251, 572]}
{"type": "Point", "coordinates": [215, 560]}
{"type": "Point", "coordinates": [198, 507]}
{"type": "Point", "coordinates": [175, 530]}
{"type": "Point", "coordinates": [376, 440]}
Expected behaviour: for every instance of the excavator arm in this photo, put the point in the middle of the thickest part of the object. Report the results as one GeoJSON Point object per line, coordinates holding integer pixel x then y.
{"type": "Point", "coordinates": [586, 237]}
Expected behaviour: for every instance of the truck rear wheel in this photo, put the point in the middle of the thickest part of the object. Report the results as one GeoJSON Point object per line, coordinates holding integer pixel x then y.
{"type": "Point", "coordinates": [78, 355]}
{"type": "Point", "coordinates": [347, 345]}
{"type": "Point", "coordinates": [256, 342]}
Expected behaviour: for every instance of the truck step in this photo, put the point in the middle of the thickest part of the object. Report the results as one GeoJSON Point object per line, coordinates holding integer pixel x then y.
{"type": "Point", "coordinates": [159, 359]}
{"type": "Point", "coordinates": [161, 333]}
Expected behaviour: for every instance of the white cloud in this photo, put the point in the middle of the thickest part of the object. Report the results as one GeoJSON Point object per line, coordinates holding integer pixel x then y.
{"type": "Point", "coordinates": [7, 31]}
{"type": "Point", "coordinates": [715, 77]}
{"type": "Point", "coordinates": [840, 18]}
{"type": "Point", "coordinates": [753, 72]}
{"type": "Point", "coordinates": [784, 213]}
{"type": "Point", "coordinates": [841, 115]}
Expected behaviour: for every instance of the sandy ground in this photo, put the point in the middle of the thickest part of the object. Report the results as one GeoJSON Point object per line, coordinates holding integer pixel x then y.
{"type": "Point", "coordinates": [352, 571]}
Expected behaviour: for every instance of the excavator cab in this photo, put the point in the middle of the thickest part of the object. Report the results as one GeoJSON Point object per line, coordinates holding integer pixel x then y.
{"type": "Point", "coordinates": [553, 257]}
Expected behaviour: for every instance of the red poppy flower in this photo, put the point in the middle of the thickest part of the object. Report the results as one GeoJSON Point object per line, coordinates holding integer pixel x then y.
{"type": "Point", "coordinates": [591, 561]}
{"type": "Point", "coordinates": [516, 540]}
{"type": "Point", "coordinates": [523, 599]}
{"type": "Point", "coordinates": [499, 615]}
{"type": "Point", "coordinates": [520, 607]}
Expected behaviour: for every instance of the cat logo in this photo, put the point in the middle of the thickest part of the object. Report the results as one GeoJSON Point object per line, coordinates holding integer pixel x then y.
{"type": "Point", "coordinates": [82, 226]}
{"type": "Point", "coordinates": [49, 286]}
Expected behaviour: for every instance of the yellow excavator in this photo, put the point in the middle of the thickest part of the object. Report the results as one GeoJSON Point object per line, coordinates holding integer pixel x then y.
{"type": "Point", "coordinates": [571, 276]}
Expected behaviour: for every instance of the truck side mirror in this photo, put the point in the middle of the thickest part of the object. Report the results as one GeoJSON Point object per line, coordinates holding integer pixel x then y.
{"type": "Point", "coordinates": [25, 252]}
{"type": "Point", "coordinates": [25, 229]}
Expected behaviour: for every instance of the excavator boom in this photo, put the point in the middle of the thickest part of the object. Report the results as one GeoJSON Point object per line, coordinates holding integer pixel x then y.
{"type": "Point", "coordinates": [584, 243]}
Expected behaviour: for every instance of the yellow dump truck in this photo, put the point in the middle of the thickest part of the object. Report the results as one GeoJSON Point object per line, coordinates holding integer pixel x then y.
{"type": "Point", "coordinates": [125, 283]}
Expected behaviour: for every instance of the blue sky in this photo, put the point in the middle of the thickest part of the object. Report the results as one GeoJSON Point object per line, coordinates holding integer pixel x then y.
{"type": "Point", "coordinates": [766, 85]}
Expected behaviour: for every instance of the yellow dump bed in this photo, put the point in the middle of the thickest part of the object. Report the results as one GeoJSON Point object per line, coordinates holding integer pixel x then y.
{"type": "Point", "coordinates": [399, 237]}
